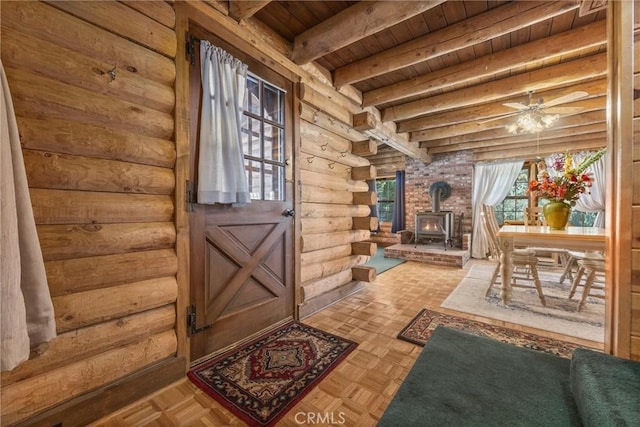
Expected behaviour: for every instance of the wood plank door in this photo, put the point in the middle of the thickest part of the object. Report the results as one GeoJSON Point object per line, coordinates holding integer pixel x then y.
{"type": "Point", "coordinates": [242, 260]}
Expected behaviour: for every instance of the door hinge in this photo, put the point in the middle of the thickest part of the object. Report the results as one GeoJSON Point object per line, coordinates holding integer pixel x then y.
{"type": "Point", "coordinates": [189, 195]}
{"type": "Point", "coordinates": [190, 48]}
{"type": "Point", "coordinates": [191, 322]}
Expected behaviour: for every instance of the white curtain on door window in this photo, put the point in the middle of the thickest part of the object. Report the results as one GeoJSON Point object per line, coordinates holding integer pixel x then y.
{"type": "Point", "coordinates": [26, 311]}
{"type": "Point", "coordinates": [221, 172]}
{"type": "Point", "coordinates": [492, 182]}
{"type": "Point", "coordinates": [595, 200]}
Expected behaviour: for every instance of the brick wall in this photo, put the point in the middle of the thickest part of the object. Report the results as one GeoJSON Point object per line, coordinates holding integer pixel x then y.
{"type": "Point", "coordinates": [456, 169]}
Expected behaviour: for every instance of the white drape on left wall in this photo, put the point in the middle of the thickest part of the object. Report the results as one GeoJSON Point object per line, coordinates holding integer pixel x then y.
{"type": "Point", "coordinates": [26, 311]}
{"type": "Point", "coordinates": [492, 181]}
{"type": "Point", "coordinates": [221, 175]}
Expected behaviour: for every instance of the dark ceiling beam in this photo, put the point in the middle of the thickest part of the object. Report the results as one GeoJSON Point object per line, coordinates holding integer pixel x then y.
{"type": "Point", "coordinates": [352, 24]}
{"type": "Point", "coordinates": [480, 28]}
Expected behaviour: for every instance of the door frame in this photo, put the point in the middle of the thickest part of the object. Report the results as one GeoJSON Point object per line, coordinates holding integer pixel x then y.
{"type": "Point", "coordinates": [201, 15]}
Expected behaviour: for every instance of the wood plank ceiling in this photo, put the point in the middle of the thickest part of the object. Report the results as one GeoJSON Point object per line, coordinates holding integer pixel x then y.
{"type": "Point", "coordinates": [442, 70]}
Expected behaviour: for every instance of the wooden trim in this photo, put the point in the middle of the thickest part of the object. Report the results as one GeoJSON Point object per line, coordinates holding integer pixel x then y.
{"type": "Point", "coordinates": [182, 173]}
{"type": "Point", "coordinates": [106, 400]}
{"type": "Point", "coordinates": [619, 177]}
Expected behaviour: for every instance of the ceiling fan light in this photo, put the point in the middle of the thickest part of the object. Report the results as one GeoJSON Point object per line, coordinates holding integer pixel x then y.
{"type": "Point", "coordinates": [532, 122]}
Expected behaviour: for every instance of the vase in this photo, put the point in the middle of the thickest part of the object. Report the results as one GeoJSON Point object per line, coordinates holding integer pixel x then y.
{"type": "Point", "coordinates": [556, 214]}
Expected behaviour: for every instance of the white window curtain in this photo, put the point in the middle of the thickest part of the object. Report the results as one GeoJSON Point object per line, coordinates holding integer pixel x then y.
{"type": "Point", "coordinates": [492, 182]}
{"type": "Point", "coordinates": [221, 174]}
{"type": "Point", "coordinates": [26, 311]}
{"type": "Point", "coordinates": [595, 200]}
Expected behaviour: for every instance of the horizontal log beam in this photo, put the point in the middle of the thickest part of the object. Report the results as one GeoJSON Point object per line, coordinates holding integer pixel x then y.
{"type": "Point", "coordinates": [328, 268]}
{"type": "Point", "coordinates": [366, 223]}
{"type": "Point", "coordinates": [83, 139]}
{"type": "Point", "coordinates": [331, 181]}
{"type": "Point", "coordinates": [83, 274]}
{"type": "Point", "coordinates": [596, 89]}
{"type": "Point", "coordinates": [353, 24]}
{"type": "Point", "coordinates": [531, 152]}
{"type": "Point", "coordinates": [326, 254]}
{"type": "Point", "coordinates": [364, 248]}
{"type": "Point", "coordinates": [86, 207]}
{"type": "Point", "coordinates": [316, 287]}
{"type": "Point", "coordinates": [82, 309]}
{"type": "Point", "coordinates": [70, 347]}
{"type": "Point", "coordinates": [25, 398]}
{"type": "Point", "coordinates": [325, 225]}
{"type": "Point", "coordinates": [85, 240]}
{"type": "Point", "coordinates": [364, 273]}
{"type": "Point", "coordinates": [483, 27]}
{"type": "Point", "coordinates": [325, 210]}
{"type": "Point", "coordinates": [590, 67]}
{"type": "Point", "coordinates": [313, 242]}
{"type": "Point", "coordinates": [368, 147]}
{"type": "Point", "coordinates": [565, 43]}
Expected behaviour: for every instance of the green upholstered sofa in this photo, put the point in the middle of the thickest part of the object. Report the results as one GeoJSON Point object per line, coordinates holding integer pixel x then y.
{"type": "Point", "coordinates": [465, 380]}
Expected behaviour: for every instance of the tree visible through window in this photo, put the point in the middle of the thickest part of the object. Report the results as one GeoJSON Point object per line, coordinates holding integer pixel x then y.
{"type": "Point", "coordinates": [386, 189]}
{"type": "Point", "coordinates": [512, 207]}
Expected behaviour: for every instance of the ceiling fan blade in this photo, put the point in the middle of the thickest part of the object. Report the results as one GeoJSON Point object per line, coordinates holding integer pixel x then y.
{"type": "Point", "coordinates": [516, 105]}
{"type": "Point", "coordinates": [573, 96]}
{"type": "Point", "coordinates": [499, 117]}
{"type": "Point", "coordinates": [563, 110]}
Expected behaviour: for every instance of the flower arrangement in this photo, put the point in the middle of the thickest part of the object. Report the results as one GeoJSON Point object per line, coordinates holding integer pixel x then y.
{"type": "Point", "coordinates": [569, 184]}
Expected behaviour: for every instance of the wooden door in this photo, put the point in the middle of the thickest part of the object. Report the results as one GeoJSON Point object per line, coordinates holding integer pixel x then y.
{"type": "Point", "coordinates": [242, 279]}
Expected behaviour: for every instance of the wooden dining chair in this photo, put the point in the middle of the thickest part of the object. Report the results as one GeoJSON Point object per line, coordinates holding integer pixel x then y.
{"type": "Point", "coordinates": [521, 258]}
{"type": "Point", "coordinates": [591, 265]}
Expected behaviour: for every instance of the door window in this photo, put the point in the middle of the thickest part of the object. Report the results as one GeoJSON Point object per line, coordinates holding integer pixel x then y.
{"type": "Point", "coordinates": [263, 139]}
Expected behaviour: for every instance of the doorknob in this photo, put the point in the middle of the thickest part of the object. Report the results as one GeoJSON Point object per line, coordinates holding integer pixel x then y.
{"type": "Point", "coordinates": [289, 212]}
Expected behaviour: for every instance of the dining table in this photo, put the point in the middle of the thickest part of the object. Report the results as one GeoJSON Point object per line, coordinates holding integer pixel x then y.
{"type": "Point", "coordinates": [582, 239]}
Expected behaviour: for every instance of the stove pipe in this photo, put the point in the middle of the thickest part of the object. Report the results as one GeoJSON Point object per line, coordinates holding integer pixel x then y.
{"type": "Point", "coordinates": [438, 191]}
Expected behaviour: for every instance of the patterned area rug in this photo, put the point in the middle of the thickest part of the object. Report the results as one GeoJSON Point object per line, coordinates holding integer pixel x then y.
{"type": "Point", "coordinates": [559, 315]}
{"type": "Point", "coordinates": [262, 380]}
{"type": "Point", "coordinates": [420, 328]}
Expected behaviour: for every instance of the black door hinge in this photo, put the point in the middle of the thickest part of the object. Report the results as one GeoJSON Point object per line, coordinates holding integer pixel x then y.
{"type": "Point", "coordinates": [191, 322]}
{"type": "Point", "coordinates": [190, 48]}
{"type": "Point", "coordinates": [189, 195]}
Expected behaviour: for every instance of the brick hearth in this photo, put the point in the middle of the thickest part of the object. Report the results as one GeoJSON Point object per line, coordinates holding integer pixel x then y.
{"type": "Point", "coordinates": [428, 254]}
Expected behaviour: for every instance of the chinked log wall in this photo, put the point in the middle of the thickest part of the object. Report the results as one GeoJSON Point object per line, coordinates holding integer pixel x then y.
{"type": "Point", "coordinates": [93, 89]}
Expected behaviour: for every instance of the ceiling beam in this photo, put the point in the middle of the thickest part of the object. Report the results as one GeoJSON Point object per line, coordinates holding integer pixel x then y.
{"type": "Point", "coordinates": [532, 152]}
{"type": "Point", "coordinates": [352, 24]}
{"type": "Point", "coordinates": [368, 124]}
{"type": "Point", "coordinates": [502, 141]}
{"type": "Point", "coordinates": [555, 76]}
{"type": "Point", "coordinates": [242, 10]}
{"type": "Point", "coordinates": [564, 43]}
{"type": "Point", "coordinates": [483, 27]}
{"type": "Point", "coordinates": [448, 135]}
{"type": "Point", "coordinates": [496, 110]}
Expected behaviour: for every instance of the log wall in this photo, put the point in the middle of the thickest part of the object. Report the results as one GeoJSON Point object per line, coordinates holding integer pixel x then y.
{"type": "Point", "coordinates": [94, 99]}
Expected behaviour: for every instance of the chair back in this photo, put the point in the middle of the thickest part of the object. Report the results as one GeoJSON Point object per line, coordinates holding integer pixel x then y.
{"type": "Point", "coordinates": [491, 229]}
{"type": "Point", "coordinates": [534, 216]}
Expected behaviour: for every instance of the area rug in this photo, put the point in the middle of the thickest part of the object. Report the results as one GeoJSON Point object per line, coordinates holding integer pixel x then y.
{"type": "Point", "coordinates": [382, 264]}
{"type": "Point", "coordinates": [419, 330]}
{"type": "Point", "coordinates": [263, 379]}
{"type": "Point", "coordinates": [524, 308]}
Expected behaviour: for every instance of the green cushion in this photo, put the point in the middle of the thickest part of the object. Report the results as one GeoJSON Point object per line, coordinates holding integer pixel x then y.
{"type": "Point", "coordinates": [606, 389]}
{"type": "Point", "coordinates": [461, 379]}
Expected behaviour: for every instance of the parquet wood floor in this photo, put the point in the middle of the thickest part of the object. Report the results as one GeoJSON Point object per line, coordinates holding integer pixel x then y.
{"type": "Point", "coordinates": [360, 388]}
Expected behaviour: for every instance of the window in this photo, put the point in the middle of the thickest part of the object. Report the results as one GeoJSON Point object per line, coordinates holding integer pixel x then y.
{"type": "Point", "coordinates": [512, 207]}
{"type": "Point", "coordinates": [263, 139]}
{"type": "Point", "coordinates": [386, 189]}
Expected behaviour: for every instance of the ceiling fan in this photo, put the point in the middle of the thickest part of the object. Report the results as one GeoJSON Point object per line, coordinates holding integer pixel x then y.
{"type": "Point", "coordinates": [549, 106]}
{"type": "Point", "coordinates": [539, 115]}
